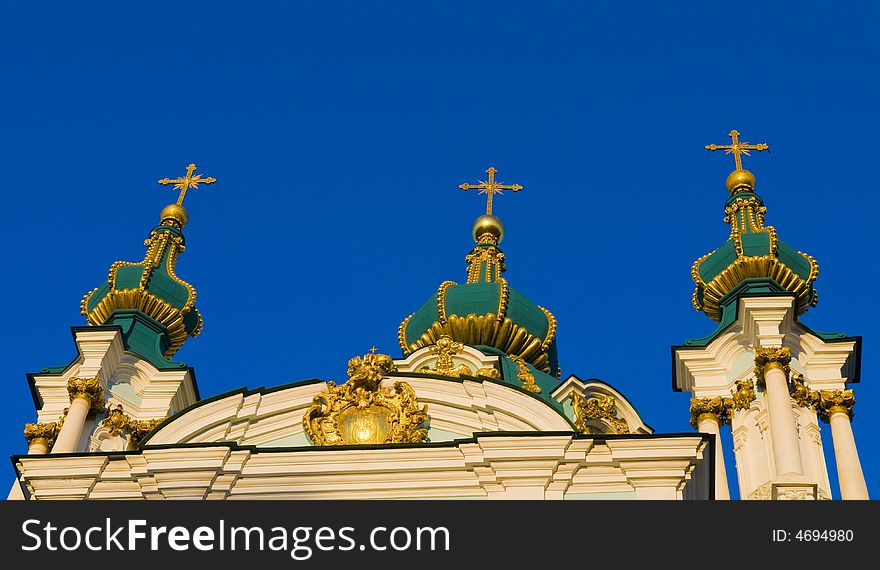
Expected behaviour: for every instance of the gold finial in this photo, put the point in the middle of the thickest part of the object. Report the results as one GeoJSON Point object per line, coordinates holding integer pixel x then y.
{"type": "Point", "coordinates": [187, 182]}
{"type": "Point", "coordinates": [373, 350]}
{"type": "Point", "coordinates": [490, 188]}
{"type": "Point", "coordinates": [737, 149]}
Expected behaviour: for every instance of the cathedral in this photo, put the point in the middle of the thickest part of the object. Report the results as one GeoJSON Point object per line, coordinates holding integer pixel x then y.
{"type": "Point", "coordinates": [474, 406]}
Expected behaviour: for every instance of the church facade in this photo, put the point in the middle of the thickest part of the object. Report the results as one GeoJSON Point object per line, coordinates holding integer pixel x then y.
{"type": "Point", "coordinates": [474, 407]}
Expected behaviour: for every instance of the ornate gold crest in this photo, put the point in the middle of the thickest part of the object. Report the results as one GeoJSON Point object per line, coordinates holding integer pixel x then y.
{"type": "Point", "coordinates": [362, 411]}
{"type": "Point", "coordinates": [600, 409]}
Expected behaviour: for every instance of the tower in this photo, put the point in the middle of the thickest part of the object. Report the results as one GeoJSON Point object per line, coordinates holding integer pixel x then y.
{"type": "Point", "coordinates": [763, 371]}
{"type": "Point", "coordinates": [123, 383]}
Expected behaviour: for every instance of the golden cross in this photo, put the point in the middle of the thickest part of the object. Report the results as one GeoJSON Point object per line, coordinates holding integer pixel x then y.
{"type": "Point", "coordinates": [187, 182]}
{"type": "Point", "coordinates": [490, 188]}
{"type": "Point", "coordinates": [373, 350]}
{"type": "Point", "coordinates": [737, 148]}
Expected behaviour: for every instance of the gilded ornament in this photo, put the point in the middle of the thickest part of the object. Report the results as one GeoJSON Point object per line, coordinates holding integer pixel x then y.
{"type": "Point", "coordinates": [47, 432]}
{"type": "Point", "coordinates": [746, 215]}
{"type": "Point", "coordinates": [830, 402]}
{"type": "Point", "coordinates": [737, 149]}
{"type": "Point", "coordinates": [490, 329]}
{"type": "Point", "coordinates": [525, 375]}
{"type": "Point", "coordinates": [743, 394]}
{"type": "Point", "coordinates": [444, 365]}
{"type": "Point", "coordinates": [139, 429]}
{"type": "Point", "coordinates": [88, 388]}
{"type": "Point", "coordinates": [186, 182]}
{"type": "Point", "coordinates": [490, 187]}
{"type": "Point", "coordinates": [770, 357]}
{"type": "Point", "coordinates": [601, 409]}
{"type": "Point", "coordinates": [489, 372]}
{"type": "Point", "coordinates": [116, 421]}
{"type": "Point", "coordinates": [801, 393]}
{"type": "Point", "coordinates": [362, 411]}
{"type": "Point", "coordinates": [718, 409]}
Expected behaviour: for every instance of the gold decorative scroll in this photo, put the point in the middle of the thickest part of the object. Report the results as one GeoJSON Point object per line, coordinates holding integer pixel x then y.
{"type": "Point", "coordinates": [597, 409]}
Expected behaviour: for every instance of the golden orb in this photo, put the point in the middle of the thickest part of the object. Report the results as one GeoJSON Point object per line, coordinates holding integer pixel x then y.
{"type": "Point", "coordinates": [488, 224]}
{"type": "Point", "coordinates": [739, 179]}
{"type": "Point", "coordinates": [176, 213]}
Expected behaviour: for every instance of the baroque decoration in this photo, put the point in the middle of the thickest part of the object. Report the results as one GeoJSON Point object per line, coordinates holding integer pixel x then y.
{"type": "Point", "coordinates": [830, 402]}
{"type": "Point", "coordinates": [363, 411]}
{"type": "Point", "coordinates": [42, 431]}
{"type": "Point", "coordinates": [445, 349]}
{"type": "Point", "coordinates": [717, 408]}
{"type": "Point", "coordinates": [597, 409]}
{"type": "Point", "coordinates": [771, 357]}
{"type": "Point", "coordinates": [743, 394]}
{"type": "Point", "coordinates": [118, 422]}
{"type": "Point", "coordinates": [88, 388]}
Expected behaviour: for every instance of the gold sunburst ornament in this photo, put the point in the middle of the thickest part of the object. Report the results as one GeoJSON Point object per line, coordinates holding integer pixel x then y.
{"type": "Point", "coordinates": [362, 411]}
{"type": "Point", "coordinates": [490, 188]}
{"type": "Point", "coordinates": [737, 148]}
{"type": "Point", "coordinates": [186, 182]}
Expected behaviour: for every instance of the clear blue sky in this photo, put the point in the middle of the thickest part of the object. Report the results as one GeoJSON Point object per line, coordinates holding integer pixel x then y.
{"type": "Point", "coordinates": [339, 132]}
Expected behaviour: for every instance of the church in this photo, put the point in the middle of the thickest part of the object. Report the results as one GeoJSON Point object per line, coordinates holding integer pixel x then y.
{"type": "Point", "coordinates": [475, 405]}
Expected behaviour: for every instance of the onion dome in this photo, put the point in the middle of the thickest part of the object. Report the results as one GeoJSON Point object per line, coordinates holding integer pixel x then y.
{"type": "Point", "coordinates": [155, 308]}
{"type": "Point", "coordinates": [485, 311]}
{"type": "Point", "coordinates": [753, 251]}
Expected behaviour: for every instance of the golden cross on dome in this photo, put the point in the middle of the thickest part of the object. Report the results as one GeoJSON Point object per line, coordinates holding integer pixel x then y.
{"type": "Point", "coordinates": [373, 350]}
{"type": "Point", "coordinates": [187, 182]}
{"type": "Point", "coordinates": [490, 188]}
{"type": "Point", "coordinates": [737, 148]}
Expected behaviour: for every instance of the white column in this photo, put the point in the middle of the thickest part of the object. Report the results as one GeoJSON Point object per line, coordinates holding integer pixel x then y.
{"type": "Point", "coordinates": [835, 407]}
{"type": "Point", "coordinates": [708, 423]}
{"type": "Point", "coordinates": [786, 447]}
{"type": "Point", "coordinates": [71, 431]}
{"type": "Point", "coordinates": [86, 394]}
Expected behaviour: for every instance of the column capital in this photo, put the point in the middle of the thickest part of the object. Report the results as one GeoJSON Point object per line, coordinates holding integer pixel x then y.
{"type": "Point", "coordinates": [88, 388]}
{"type": "Point", "coordinates": [743, 394]}
{"type": "Point", "coordinates": [830, 402]}
{"type": "Point", "coordinates": [47, 431]}
{"type": "Point", "coordinates": [717, 408]}
{"type": "Point", "coordinates": [769, 357]}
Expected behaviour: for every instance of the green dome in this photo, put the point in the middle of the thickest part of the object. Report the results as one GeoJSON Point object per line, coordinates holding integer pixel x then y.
{"type": "Point", "coordinates": [485, 311]}
{"type": "Point", "coordinates": [150, 289]}
{"type": "Point", "coordinates": [752, 251]}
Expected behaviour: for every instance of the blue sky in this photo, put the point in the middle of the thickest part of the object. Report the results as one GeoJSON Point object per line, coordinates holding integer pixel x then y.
{"type": "Point", "coordinates": [339, 132]}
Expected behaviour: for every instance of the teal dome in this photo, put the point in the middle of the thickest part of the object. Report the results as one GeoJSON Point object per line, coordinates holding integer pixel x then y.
{"type": "Point", "coordinates": [753, 251]}
{"type": "Point", "coordinates": [151, 289]}
{"type": "Point", "coordinates": [485, 311]}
